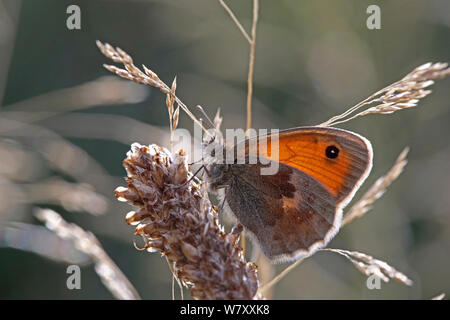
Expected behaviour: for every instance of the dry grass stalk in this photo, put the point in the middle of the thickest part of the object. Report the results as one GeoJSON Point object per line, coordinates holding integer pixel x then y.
{"type": "Point", "coordinates": [251, 65]}
{"type": "Point", "coordinates": [266, 270]}
{"type": "Point", "coordinates": [439, 297]}
{"type": "Point", "coordinates": [368, 265]}
{"type": "Point", "coordinates": [173, 114]}
{"type": "Point", "coordinates": [148, 77]}
{"type": "Point", "coordinates": [377, 189]}
{"type": "Point", "coordinates": [176, 219]}
{"type": "Point", "coordinates": [400, 95]}
{"type": "Point", "coordinates": [111, 276]}
{"type": "Point", "coordinates": [252, 42]}
{"type": "Point", "coordinates": [217, 122]}
{"type": "Point", "coordinates": [41, 241]}
{"type": "Point", "coordinates": [78, 197]}
{"type": "Point", "coordinates": [236, 21]}
{"type": "Point", "coordinates": [281, 275]}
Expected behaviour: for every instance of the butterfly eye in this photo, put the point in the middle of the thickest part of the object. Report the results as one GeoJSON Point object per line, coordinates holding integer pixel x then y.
{"type": "Point", "coordinates": [332, 152]}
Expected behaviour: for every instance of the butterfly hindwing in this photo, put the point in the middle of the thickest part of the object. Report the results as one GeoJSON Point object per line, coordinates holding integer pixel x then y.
{"type": "Point", "coordinates": [289, 214]}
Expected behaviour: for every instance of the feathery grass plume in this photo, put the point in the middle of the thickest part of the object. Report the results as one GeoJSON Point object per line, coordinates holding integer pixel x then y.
{"type": "Point", "coordinates": [400, 95]}
{"type": "Point", "coordinates": [148, 77]}
{"type": "Point", "coordinates": [377, 189]}
{"type": "Point", "coordinates": [368, 265]}
{"type": "Point", "coordinates": [176, 219]}
{"type": "Point", "coordinates": [363, 262]}
{"type": "Point", "coordinates": [110, 274]}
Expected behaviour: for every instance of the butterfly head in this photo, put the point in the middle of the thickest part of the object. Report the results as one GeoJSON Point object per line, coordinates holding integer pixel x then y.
{"type": "Point", "coordinates": [217, 176]}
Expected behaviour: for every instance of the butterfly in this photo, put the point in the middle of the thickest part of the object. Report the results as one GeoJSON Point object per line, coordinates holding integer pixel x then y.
{"type": "Point", "coordinates": [298, 209]}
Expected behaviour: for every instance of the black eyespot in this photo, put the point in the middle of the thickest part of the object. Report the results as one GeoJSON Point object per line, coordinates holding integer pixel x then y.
{"type": "Point", "coordinates": [332, 152]}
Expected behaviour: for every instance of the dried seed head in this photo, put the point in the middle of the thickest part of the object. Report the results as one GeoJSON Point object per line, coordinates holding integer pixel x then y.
{"type": "Point", "coordinates": [176, 219]}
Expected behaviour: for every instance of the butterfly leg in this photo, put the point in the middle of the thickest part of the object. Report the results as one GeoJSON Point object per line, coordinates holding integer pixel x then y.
{"type": "Point", "coordinates": [237, 229]}
{"type": "Point", "coordinates": [193, 176]}
{"type": "Point", "coordinates": [222, 205]}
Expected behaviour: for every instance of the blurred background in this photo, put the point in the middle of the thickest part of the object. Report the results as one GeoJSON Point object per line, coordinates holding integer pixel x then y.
{"type": "Point", "coordinates": [66, 124]}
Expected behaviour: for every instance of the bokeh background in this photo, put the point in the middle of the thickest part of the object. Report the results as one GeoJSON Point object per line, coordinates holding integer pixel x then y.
{"type": "Point", "coordinates": [66, 124]}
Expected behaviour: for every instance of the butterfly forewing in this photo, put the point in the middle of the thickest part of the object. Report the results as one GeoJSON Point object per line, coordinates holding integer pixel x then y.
{"type": "Point", "coordinates": [298, 208]}
{"type": "Point", "coordinates": [305, 149]}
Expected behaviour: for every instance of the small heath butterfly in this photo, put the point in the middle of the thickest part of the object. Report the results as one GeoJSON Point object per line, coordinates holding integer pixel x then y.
{"type": "Point", "coordinates": [298, 209]}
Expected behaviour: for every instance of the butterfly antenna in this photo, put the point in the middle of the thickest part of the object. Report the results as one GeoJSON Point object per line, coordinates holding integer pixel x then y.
{"type": "Point", "coordinates": [194, 162]}
{"type": "Point", "coordinates": [206, 116]}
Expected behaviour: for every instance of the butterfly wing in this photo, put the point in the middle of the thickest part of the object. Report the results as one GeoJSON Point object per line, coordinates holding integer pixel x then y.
{"type": "Point", "coordinates": [298, 209]}
{"type": "Point", "coordinates": [289, 214]}
{"type": "Point", "coordinates": [306, 148]}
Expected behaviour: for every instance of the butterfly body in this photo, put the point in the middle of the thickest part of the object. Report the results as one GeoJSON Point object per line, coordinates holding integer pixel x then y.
{"type": "Point", "coordinates": [297, 209]}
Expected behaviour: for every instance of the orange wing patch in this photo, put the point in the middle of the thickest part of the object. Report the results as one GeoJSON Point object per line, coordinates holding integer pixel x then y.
{"type": "Point", "coordinates": [305, 150]}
